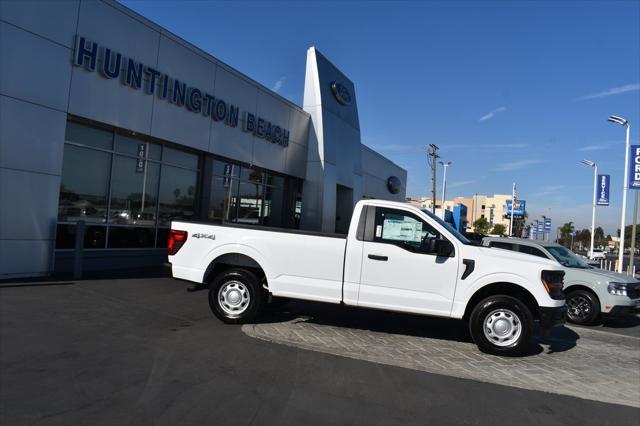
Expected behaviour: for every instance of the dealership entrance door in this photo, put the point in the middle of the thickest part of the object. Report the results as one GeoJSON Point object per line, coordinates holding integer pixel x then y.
{"type": "Point", "coordinates": [344, 208]}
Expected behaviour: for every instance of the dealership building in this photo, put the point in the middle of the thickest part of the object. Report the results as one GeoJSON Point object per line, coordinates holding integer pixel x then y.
{"type": "Point", "coordinates": [109, 121]}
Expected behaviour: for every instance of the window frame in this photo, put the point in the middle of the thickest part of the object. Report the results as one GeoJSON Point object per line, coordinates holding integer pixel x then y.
{"type": "Point", "coordinates": [373, 215]}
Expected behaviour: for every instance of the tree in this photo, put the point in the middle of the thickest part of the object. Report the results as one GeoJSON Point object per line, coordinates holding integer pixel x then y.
{"type": "Point", "coordinates": [565, 234]}
{"type": "Point", "coordinates": [499, 229]}
{"type": "Point", "coordinates": [481, 226]}
{"type": "Point", "coordinates": [583, 237]}
{"type": "Point", "coordinates": [598, 237]}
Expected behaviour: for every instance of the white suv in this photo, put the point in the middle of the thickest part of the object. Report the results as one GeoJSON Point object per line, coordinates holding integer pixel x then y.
{"type": "Point", "coordinates": [590, 292]}
{"type": "Point", "coordinates": [597, 255]}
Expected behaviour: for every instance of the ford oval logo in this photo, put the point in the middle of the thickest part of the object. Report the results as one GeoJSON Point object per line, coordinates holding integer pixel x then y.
{"type": "Point", "coordinates": [341, 93]}
{"type": "Point", "coordinates": [394, 185]}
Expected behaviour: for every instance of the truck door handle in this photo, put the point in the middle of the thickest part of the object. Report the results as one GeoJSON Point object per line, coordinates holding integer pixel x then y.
{"type": "Point", "coordinates": [378, 257]}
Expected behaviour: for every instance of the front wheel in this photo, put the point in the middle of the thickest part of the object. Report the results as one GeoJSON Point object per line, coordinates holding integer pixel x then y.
{"type": "Point", "coordinates": [583, 307]}
{"type": "Point", "coordinates": [501, 325]}
{"type": "Point", "coordinates": [236, 297]}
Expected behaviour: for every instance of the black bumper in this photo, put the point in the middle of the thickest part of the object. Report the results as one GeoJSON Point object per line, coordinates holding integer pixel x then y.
{"type": "Point", "coordinates": [552, 317]}
{"type": "Point", "coordinates": [619, 311]}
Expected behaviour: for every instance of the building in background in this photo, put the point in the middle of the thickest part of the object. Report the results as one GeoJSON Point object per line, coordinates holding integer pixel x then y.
{"type": "Point", "coordinates": [111, 120]}
{"type": "Point", "coordinates": [493, 208]}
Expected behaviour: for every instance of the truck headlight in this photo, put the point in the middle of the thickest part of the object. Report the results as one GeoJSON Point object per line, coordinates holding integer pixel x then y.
{"type": "Point", "coordinates": [617, 289]}
{"type": "Point", "coordinates": [553, 283]}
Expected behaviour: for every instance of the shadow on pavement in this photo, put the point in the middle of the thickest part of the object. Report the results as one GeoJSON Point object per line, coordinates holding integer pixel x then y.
{"type": "Point", "coordinates": [67, 279]}
{"type": "Point", "coordinates": [560, 339]}
{"type": "Point", "coordinates": [627, 321]}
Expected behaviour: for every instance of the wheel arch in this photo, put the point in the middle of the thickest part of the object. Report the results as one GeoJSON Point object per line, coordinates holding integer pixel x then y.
{"type": "Point", "coordinates": [503, 288]}
{"type": "Point", "coordinates": [230, 260]}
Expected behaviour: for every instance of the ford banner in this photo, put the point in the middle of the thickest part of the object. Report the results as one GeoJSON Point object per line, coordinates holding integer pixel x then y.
{"type": "Point", "coordinates": [602, 190]}
{"type": "Point", "coordinates": [634, 172]}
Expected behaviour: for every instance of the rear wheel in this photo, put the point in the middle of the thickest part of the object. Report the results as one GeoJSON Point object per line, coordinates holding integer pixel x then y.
{"type": "Point", "coordinates": [583, 307]}
{"type": "Point", "coordinates": [501, 325]}
{"type": "Point", "coordinates": [236, 297]}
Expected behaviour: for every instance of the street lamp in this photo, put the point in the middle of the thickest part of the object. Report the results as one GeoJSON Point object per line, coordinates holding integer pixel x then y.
{"type": "Point", "coordinates": [593, 213]}
{"type": "Point", "coordinates": [621, 121]}
{"type": "Point", "coordinates": [444, 164]}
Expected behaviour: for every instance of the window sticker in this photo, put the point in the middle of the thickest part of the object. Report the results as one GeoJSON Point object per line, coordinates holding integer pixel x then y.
{"type": "Point", "coordinates": [393, 229]}
{"type": "Point", "coordinates": [378, 231]}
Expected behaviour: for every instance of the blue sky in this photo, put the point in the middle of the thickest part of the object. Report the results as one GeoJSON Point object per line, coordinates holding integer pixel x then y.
{"type": "Point", "coordinates": [510, 91]}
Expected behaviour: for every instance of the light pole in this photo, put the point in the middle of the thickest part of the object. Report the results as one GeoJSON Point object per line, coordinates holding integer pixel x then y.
{"type": "Point", "coordinates": [593, 213]}
{"type": "Point", "coordinates": [444, 164]}
{"type": "Point", "coordinates": [513, 207]}
{"type": "Point", "coordinates": [625, 186]}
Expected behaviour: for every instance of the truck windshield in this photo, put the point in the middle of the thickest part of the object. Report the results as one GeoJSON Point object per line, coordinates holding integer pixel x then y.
{"type": "Point", "coordinates": [448, 226]}
{"type": "Point", "coordinates": [567, 258]}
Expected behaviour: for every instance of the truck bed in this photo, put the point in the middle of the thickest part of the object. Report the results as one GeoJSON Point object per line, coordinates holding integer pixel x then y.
{"type": "Point", "coordinates": [296, 263]}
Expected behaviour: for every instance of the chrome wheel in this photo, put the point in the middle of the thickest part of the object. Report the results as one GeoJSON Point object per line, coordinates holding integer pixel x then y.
{"type": "Point", "coordinates": [579, 308]}
{"type": "Point", "coordinates": [502, 327]}
{"type": "Point", "coordinates": [233, 298]}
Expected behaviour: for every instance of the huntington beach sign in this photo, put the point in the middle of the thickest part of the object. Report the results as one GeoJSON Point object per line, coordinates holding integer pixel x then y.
{"type": "Point", "coordinates": [138, 76]}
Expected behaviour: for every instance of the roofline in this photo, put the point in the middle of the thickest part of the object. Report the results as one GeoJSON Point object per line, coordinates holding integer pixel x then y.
{"type": "Point", "coordinates": [382, 156]}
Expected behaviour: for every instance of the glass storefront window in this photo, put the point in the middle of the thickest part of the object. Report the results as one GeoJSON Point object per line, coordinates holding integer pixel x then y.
{"type": "Point", "coordinates": [134, 191]}
{"type": "Point", "coordinates": [177, 194]}
{"type": "Point", "coordinates": [129, 202]}
{"type": "Point", "coordinates": [252, 175]}
{"type": "Point", "coordinates": [84, 187]}
{"type": "Point", "coordinates": [110, 187]}
{"type": "Point", "coordinates": [223, 168]}
{"type": "Point", "coordinates": [162, 238]}
{"type": "Point", "coordinates": [131, 237]}
{"type": "Point", "coordinates": [222, 199]}
{"type": "Point", "coordinates": [180, 158]}
{"type": "Point", "coordinates": [250, 197]}
{"type": "Point", "coordinates": [129, 145]}
{"type": "Point", "coordinates": [92, 136]}
{"type": "Point", "coordinates": [94, 236]}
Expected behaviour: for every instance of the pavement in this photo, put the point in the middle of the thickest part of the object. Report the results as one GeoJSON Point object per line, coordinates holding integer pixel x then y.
{"type": "Point", "coordinates": [569, 361]}
{"type": "Point", "coordinates": [146, 351]}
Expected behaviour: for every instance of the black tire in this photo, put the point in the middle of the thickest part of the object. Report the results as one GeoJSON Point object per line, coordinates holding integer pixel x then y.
{"type": "Point", "coordinates": [236, 285]}
{"type": "Point", "coordinates": [583, 307]}
{"type": "Point", "coordinates": [506, 313]}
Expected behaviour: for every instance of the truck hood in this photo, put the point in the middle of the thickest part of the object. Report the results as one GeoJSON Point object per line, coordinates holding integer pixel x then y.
{"type": "Point", "coordinates": [596, 275]}
{"type": "Point", "coordinates": [514, 256]}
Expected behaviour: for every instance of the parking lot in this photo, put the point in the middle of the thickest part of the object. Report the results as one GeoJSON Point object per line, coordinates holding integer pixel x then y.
{"type": "Point", "coordinates": [130, 351]}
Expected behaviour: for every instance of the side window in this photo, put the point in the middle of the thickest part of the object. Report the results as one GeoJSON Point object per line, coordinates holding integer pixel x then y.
{"type": "Point", "coordinates": [405, 230]}
{"type": "Point", "coordinates": [532, 250]}
{"type": "Point", "coordinates": [501, 245]}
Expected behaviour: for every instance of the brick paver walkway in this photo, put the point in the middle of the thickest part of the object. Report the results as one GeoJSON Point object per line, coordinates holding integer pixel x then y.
{"type": "Point", "coordinates": [593, 365]}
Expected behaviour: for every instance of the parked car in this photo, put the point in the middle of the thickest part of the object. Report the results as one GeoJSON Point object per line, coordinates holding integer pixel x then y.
{"type": "Point", "coordinates": [590, 292]}
{"type": "Point", "coordinates": [395, 257]}
{"type": "Point", "coordinates": [597, 254]}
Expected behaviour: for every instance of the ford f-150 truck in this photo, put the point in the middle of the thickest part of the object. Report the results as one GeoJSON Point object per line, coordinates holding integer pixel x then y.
{"type": "Point", "coordinates": [395, 257]}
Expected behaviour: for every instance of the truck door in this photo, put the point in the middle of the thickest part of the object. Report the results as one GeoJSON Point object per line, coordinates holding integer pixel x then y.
{"type": "Point", "coordinates": [400, 270]}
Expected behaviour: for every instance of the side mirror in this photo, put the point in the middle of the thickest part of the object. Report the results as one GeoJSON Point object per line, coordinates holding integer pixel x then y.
{"type": "Point", "coordinates": [443, 248]}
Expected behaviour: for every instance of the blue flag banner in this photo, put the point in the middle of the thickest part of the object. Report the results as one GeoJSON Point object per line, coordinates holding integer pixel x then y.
{"type": "Point", "coordinates": [634, 167]}
{"type": "Point", "coordinates": [547, 225]}
{"type": "Point", "coordinates": [602, 190]}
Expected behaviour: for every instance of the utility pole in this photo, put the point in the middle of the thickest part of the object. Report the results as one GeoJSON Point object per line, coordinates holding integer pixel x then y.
{"type": "Point", "coordinates": [432, 159]}
{"type": "Point", "coordinates": [633, 231]}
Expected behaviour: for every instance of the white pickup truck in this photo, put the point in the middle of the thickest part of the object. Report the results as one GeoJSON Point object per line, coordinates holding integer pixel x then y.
{"type": "Point", "coordinates": [395, 257]}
